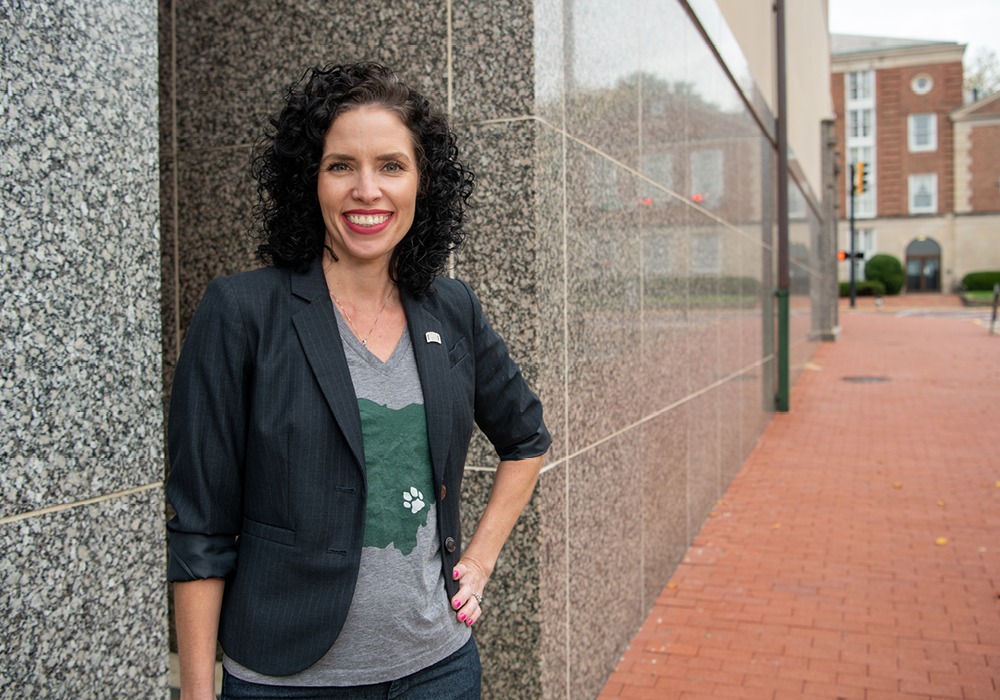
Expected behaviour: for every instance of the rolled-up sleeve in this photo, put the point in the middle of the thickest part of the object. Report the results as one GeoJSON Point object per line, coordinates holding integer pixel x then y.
{"type": "Point", "coordinates": [507, 411]}
{"type": "Point", "coordinates": [206, 433]}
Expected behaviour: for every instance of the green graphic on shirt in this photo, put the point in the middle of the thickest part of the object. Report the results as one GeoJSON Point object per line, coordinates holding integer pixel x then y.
{"type": "Point", "coordinates": [398, 467]}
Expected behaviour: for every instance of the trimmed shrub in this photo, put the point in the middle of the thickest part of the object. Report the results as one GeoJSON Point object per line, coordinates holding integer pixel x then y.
{"type": "Point", "coordinates": [699, 285]}
{"type": "Point", "coordinates": [981, 281]}
{"type": "Point", "coordinates": [886, 269]}
{"type": "Point", "coordinates": [863, 289]}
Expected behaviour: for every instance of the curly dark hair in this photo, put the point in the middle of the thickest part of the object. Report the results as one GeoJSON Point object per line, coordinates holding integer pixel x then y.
{"type": "Point", "coordinates": [286, 159]}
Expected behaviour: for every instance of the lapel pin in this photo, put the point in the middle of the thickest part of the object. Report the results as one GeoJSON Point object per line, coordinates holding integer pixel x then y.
{"type": "Point", "coordinates": [432, 337]}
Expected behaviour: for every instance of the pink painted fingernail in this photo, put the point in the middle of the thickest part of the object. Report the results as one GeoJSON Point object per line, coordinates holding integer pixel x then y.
{"type": "Point", "coordinates": [454, 574]}
{"type": "Point", "coordinates": [461, 616]}
{"type": "Point", "coordinates": [469, 622]}
{"type": "Point", "coordinates": [457, 603]}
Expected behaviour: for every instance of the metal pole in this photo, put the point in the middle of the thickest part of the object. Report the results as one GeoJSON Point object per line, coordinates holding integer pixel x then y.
{"type": "Point", "coordinates": [996, 299]}
{"type": "Point", "coordinates": [782, 293]}
{"type": "Point", "coordinates": [851, 234]}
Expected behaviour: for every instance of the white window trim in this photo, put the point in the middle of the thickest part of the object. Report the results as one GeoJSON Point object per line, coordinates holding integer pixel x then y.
{"type": "Point", "coordinates": [918, 81]}
{"type": "Point", "coordinates": [866, 203]}
{"type": "Point", "coordinates": [911, 133]}
{"type": "Point", "coordinates": [914, 183]}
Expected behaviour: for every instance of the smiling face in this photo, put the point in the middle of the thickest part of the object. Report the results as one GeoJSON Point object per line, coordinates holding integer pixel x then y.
{"type": "Point", "coordinates": [367, 185]}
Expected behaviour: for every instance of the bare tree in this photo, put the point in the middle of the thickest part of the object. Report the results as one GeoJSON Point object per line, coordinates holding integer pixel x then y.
{"type": "Point", "coordinates": [982, 74]}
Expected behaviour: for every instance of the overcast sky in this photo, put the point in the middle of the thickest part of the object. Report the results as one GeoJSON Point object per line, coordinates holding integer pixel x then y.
{"type": "Point", "coordinates": [972, 22]}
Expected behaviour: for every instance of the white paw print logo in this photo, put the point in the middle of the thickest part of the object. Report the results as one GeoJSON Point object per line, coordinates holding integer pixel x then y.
{"type": "Point", "coordinates": [413, 500]}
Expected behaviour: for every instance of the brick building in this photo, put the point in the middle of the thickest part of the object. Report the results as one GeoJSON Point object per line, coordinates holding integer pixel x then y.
{"type": "Point", "coordinates": [933, 196]}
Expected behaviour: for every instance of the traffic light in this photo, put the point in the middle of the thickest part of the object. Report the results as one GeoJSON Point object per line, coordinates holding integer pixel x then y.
{"type": "Point", "coordinates": [860, 177]}
{"type": "Point", "coordinates": [843, 255]}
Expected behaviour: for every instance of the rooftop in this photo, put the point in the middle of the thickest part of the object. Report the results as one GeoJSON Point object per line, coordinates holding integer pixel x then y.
{"type": "Point", "coordinates": [842, 44]}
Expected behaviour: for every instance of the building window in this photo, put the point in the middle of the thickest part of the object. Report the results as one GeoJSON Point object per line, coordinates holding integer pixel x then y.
{"type": "Point", "coordinates": [864, 243]}
{"type": "Point", "coordinates": [923, 194]}
{"type": "Point", "coordinates": [796, 202]}
{"type": "Point", "coordinates": [706, 177]}
{"type": "Point", "coordinates": [859, 123]}
{"type": "Point", "coordinates": [659, 167]}
{"type": "Point", "coordinates": [864, 202]}
{"type": "Point", "coordinates": [658, 254]}
{"type": "Point", "coordinates": [602, 186]}
{"type": "Point", "coordinates": [923, 132]}
{"type": "Point", "coordinates": [706, 253]}
{"type": "Point", "coordinates": [921, 84]}
{"type": "Point", "coordinates": [859, 85]}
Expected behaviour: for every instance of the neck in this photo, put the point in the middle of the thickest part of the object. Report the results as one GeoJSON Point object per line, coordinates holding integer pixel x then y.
{"type": "Point", "coordinates": [363, 286]}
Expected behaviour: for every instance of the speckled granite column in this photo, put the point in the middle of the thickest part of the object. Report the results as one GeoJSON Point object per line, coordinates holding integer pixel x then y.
{"type": "Point", "coordinates": [617, 243]}
{"type": "Point", "coordinates": [81, 460]}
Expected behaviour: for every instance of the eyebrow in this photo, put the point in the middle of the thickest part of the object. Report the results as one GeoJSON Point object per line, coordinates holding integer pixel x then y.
{"type": "Point", "coordinates": [397, 155]}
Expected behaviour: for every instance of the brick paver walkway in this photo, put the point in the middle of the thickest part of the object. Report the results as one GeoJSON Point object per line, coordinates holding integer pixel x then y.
{"type": "Point", "coordinates": [857, 553]}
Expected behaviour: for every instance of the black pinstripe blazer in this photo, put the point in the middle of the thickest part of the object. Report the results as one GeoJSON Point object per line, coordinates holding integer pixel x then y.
{"type": "Point", "coordinates": [267, 462]}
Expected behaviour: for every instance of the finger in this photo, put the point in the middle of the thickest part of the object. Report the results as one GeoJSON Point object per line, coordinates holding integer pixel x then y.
{"type": "Point", "coordinates": [475, 616]}
{"type": "Point", "coordinates": [470, 612]}
{"type": "Point", "coordinates": [466, 605]}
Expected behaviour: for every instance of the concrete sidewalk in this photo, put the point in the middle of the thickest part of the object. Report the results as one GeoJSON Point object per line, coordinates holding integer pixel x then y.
{"type": "Point", "coordinates": [857, 552]}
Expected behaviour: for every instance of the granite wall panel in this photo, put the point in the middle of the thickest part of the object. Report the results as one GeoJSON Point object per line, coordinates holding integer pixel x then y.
{"type": "Point", "coordinates": [730, 425]}
{"type": "Point", "coordinates": [233, 59]}
{"type": "Point", "coordinates": [552, 498]}
{"type": "Point", "coordinates": [604, 277]}
{"type": "Point", "coordinates": [665, 532]}
{"type": "Point", "coordinates": [604, 522]}
{"type": "Point", "coordinates": [81, 459]}
{"type": "Point", "coordinates": [84, 604]}
{"type": "Point", "coordinates": [79, 262]}
{"type": "Point", "coordinates": [509, 634]}
{"type": "Point", "coordinates": [704, 457]}
{"type": "Point", "coordinates": [492, 48]}
{"type": "Point", "coordinates": [602, 67]}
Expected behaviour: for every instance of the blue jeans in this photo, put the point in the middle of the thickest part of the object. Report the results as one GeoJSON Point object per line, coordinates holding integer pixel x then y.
{"type": "Point", "coordinates": [456, 677]}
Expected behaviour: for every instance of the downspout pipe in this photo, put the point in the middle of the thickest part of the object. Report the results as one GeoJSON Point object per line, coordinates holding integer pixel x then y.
{"type": "Point", "coordinates": [782, 291]}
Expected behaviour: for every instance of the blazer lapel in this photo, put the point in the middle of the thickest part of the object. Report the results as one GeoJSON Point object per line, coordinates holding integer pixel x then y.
{"type": "Point", "coordinates": [316, 326]}
{"type": "Point", "coordinates": [430, 349]}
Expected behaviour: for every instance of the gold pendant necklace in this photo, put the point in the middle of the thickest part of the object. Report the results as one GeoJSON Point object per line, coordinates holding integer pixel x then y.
{"type": "Point", "coordinates": [357, 333]}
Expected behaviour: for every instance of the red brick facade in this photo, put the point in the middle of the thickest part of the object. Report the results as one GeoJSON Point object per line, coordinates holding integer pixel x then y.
{"type": "Point", "coordinates": [986, 166]}
{"type": "Point", "coordinates": [895, 101]}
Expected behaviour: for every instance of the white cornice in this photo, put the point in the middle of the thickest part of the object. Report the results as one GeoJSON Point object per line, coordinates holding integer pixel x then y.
{"type": "Point", "coordinates": [902, 57]}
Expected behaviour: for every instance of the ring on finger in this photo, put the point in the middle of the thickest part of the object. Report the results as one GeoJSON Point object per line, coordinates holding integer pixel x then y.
{"type": "Point", "coordinates": [478, 597]}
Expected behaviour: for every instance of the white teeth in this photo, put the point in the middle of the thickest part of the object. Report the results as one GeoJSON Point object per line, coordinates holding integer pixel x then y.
{"type": "Point", "coordinates": [367, 219]}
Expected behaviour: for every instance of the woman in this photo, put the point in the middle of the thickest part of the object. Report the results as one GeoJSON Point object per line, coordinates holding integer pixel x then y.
{"type": "Point", "coordinates": [321, 414]}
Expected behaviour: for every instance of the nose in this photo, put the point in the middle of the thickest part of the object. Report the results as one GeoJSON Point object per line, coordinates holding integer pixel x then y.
{"type": "Point", "coordinates": [366, 187]}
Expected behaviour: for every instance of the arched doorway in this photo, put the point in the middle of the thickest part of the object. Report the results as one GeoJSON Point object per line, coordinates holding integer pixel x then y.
{"type": "Point", "coordinates": [923, 265]}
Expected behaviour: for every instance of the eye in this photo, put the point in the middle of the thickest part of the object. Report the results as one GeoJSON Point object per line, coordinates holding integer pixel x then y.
{"type": "Point", "coordinates": [337, 166]}
{"type": "Point", "coordinates": [393, 167]}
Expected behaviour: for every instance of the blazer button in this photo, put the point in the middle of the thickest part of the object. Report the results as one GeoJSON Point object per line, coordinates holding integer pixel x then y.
{"type": "Point", "coordinates": [444, 492]}
{"type": "Point", "coordinates": [449, 545]}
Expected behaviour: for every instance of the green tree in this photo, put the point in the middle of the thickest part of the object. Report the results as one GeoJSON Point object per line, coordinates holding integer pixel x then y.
{"type": "Point", "coordinates": [886, 269]}
{"type": "Point", "coordinates": [982, 73]}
